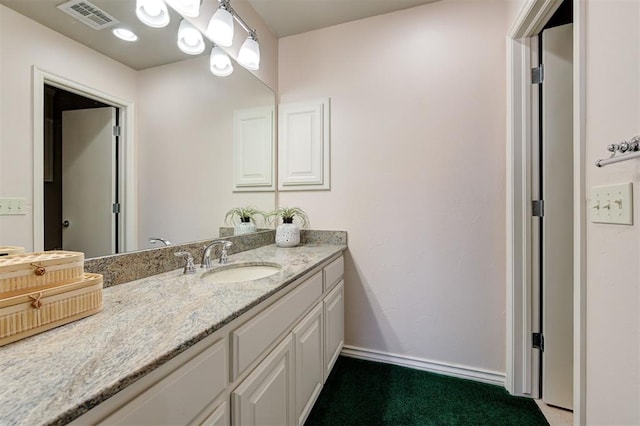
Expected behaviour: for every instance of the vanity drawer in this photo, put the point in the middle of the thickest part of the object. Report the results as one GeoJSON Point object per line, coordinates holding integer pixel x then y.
{"type": "Point", "coordinates": [333, 273]}
{"type": "Point", "coordinates": [254, 337]}
{"type": "Point", "coordinates": [182, 394]}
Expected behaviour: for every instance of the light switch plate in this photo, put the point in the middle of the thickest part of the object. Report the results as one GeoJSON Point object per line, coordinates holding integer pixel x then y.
{"type": "Point", "coordinates": [612, 204]}
{"type": "Point", "coordinates": [12, 206]}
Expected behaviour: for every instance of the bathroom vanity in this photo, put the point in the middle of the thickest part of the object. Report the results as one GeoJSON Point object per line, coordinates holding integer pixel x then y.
{"type": "Point", "coordinates": [176, 349]}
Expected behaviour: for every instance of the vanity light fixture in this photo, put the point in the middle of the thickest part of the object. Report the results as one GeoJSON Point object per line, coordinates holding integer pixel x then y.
{"type": "Point", "coordinates": [220, 31]}
{"type": "Point", "coordinates": [190, 40]}
{"type": "Point", "coordinates": [124, 34]}
{"type": "Point", "coordinates": [220, 28]}
{"type": "Point", "coordinates": [249, 55]}
{"type": "Point", "coordinates": [153, 13]}
{"type": "Point", "coordinates": [219, 63]}
{"type": "Point", "coordinates": [188, 8]}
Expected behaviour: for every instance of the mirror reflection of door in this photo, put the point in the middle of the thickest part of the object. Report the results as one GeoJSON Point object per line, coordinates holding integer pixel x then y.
{"type": "Point", "coordinates": [80, 174]}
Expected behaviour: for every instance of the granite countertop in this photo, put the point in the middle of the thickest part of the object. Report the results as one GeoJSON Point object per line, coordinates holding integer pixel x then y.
{"type": "Point", "coordinates": [56, 376]}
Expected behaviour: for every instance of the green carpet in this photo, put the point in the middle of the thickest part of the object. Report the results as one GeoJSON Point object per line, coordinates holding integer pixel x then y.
{"type": "Point", "coordinates": [369, 393]}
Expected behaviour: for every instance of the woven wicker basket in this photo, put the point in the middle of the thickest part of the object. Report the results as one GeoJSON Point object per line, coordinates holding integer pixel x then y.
{"type": "Point", "coordinates": [29, 271]}
{"type": "Point", "coordinates": [30, 313]}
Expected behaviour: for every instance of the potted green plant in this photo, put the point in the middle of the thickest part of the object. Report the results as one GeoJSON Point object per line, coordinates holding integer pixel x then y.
{"type": "Point", "coordinates": [288, 233]}
{"type": "Point", "coordinates": [243, 219]}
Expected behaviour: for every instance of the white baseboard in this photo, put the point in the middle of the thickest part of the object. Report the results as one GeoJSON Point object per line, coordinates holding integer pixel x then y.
{"type": "Point", "coordinates": [454, 370]}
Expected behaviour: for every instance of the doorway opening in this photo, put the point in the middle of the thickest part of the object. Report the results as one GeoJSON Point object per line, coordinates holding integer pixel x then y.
{"type": "Point", "coordinates": [523, 272]}
{"type": "Point", "coordinates": [118, 112]}
{"type": "Point", "coordinates": [81, 173]}
{"type": "Point", "coordinates": [553, 195]}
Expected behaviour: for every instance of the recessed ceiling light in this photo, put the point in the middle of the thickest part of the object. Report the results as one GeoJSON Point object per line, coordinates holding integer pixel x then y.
{"type": "Point", "coordinates": [124, 34]}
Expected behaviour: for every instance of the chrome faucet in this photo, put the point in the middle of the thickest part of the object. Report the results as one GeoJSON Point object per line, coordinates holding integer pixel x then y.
{"type": "Point", "coordinates": [206, 255]}
{"type": "Point", "coordinates": [189, 267]}
{"type": "Point", "coordinates": [164, 241]}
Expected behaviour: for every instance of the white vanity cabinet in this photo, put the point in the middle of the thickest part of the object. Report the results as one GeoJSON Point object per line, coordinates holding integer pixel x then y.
{"type": "Point", "coordinates": [308, 338]}
{"type": "Point", "coordinates": [333, 326]}
{"type": "Point", "coordinates": [316, 340]}
{"type": "Point", "coordinates": [180, 396]}
{"type": "Point", "coordinates": [266, 396]}
{"type": "Point", "coordinates": [267, 366]}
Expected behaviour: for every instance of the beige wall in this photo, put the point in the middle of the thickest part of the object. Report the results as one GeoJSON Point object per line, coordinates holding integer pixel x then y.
{"type": "Point", "coordinates": [513, 9]}
{"type": "Point", "coordinates": [418, 179]}
{"type": "Point", "coordinates": [23, 44]}
{"type": "Point", "coordinates": [613, 268]}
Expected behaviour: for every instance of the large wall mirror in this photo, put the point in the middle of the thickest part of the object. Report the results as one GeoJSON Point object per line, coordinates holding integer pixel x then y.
{"type": "Point", "coordinates": [168, 170]}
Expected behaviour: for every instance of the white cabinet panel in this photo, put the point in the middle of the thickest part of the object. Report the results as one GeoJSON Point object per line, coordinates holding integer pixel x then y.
{"type": "Point", "coordinates": [179, 397]}
{"type": "Point", "coordinates": [303, 146]}
{"type": "Point", "coordinates": [255, 336]}
{"type": "Point", "coordinates": [307, 337]}
{"type": "Point", "coordinates": [266, 396]}
{"type": "Point", "coordinates": [219, 417]}
{"type": "Point", "coordinates": [253, 149]}
{"type": "Point", "coordinates": [333, 273]}
{"type": "Point", "coordinates": [333, 326]}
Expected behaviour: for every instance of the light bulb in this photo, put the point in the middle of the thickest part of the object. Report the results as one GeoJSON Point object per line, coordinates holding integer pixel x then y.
{"type": "Point", "coordinates": [124, 34]}
{"type": "Point", "coordinates": [188, 8]}
{"type": "Point", "coordinates": [189, 39]}
{"type": "Point", "coordinates": [220, 64]}
{"type": "Point", "coordinates": [220, 28]}
{"type": "Point", "coordinates": [153, 13]}
{"type": "Point", "coordinates": [249, 55]}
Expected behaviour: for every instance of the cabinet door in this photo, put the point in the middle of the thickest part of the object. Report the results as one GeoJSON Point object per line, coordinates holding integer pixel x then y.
{"type": "Point", "coordinates": [179, 397]}
{"type": "Point", "coordinates": [254, 337]}
{"type": "Point", "coordinates": [266, 396]}
{"type": "Point", "coordinates": [219, 417]}
{"type": "Point", "coordinates": [333, 326]}
{"type": "Point", "coordinates": [307, 337]}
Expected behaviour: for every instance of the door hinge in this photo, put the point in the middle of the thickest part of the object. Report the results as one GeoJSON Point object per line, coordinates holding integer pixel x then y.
{"type": "Point", "coordinates": [116, 208]}
{"type": "Point", "coordinates": [538, 341]}
{"type": "Point", "coordinates": [537, 74]}
{"type": "Point", "coordinates": [116, 130]}
{"type": "Point", "coordinates": [537, 208]}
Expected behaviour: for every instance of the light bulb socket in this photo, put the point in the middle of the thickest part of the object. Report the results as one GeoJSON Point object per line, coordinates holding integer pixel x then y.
{"type": "Point", "coordinates": [220, 28]}
{"type": "Point", "coordinates": [188, 8]}
{"type": "Point", "coordinates": [153, 13]}
{"type": "Point", "coordinates": [219, 62]}
{"type": "Point", "coordinates": [190, 40]}
{"type": "Point", "coordinates": [249, 54]}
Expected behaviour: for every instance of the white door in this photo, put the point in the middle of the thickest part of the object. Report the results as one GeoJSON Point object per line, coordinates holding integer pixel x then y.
{"type": "Point", "coordinates": [89, 181]}
{"type": "Point", "coordinates": [557, 224]}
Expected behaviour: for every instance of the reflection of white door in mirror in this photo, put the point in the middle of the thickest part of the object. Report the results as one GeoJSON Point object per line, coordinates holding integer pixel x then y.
{"type": "Point", "coordinates": [89, 172]}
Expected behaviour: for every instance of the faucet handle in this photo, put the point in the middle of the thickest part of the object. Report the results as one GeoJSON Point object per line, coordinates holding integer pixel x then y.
{"type": "Point", "coordinates": [189, 268]}
{"type": "Point", "coordinates": [223, 253]}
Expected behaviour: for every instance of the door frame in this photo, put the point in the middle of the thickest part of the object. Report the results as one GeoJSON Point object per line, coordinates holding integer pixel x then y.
{"type": "Point", "coordinates": [126, 172]}
{"type": "Point", "coordinates": [521, 130]}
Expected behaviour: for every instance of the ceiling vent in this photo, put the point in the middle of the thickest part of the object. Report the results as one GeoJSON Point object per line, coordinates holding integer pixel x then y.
{"type": "Point", "coordinates": [89, 14]}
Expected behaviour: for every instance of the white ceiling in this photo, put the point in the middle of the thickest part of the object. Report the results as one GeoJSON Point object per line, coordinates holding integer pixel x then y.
{"type": "Point", "coordinates": [158, 46]}
{"type": "Point", "coordinates": [289, 17]}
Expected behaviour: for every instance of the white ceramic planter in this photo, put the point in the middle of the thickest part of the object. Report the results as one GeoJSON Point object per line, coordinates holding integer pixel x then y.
{"type": "Point", "coordinates": [287, 235]}
{"type": "Point", "coordinates": [244, 228]}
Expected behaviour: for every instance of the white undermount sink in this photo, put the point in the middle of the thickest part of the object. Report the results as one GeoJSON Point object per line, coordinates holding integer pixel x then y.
{"type": "Point", "coordinates": [240, 273]}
